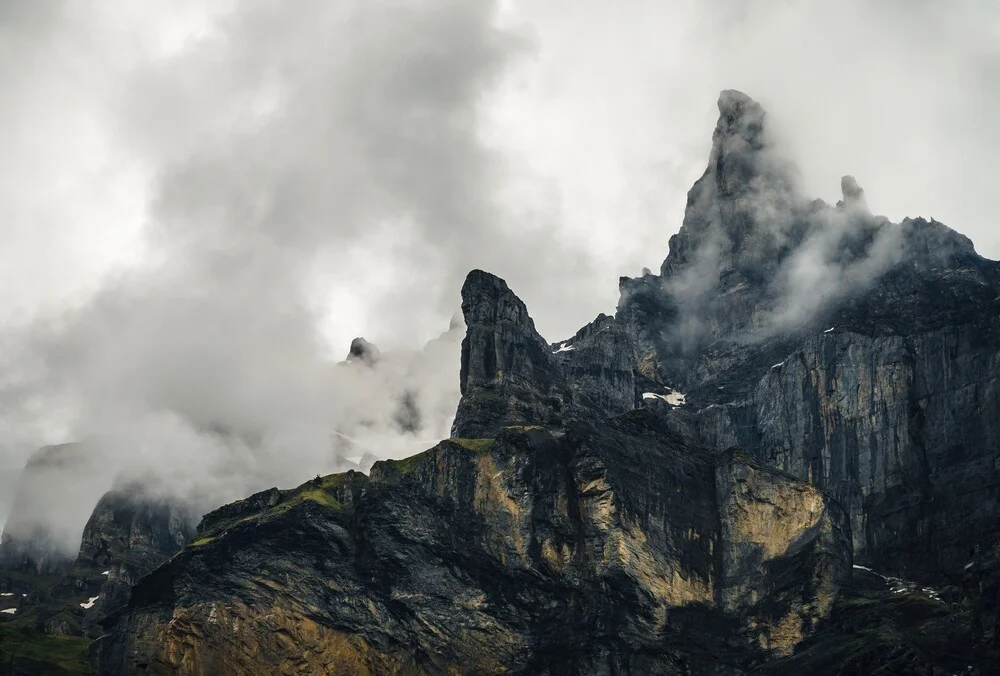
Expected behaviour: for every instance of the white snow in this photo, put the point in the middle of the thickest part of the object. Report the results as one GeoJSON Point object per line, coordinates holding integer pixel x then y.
{"type": "Point", "coordinates": [7, 594]}
{"type": "Point", "coordinates": [673, 398]}
{"type": "Point", "coordinates": [107, 572]}
{"type": "Point", "coordinates": [900, 586]}
{"type": "Point", "coordinates": [969, 565]}
{"type": "Point", "coordinates": [565, 347]}
{"type": "Point", "coordinates": [9, 611]}
{"type": "Point", "coordinates": [778, 365]}
{"type": "Point", "coordinates": [90, 602]}
{"type": "Point", "coordinates": [829, 330]}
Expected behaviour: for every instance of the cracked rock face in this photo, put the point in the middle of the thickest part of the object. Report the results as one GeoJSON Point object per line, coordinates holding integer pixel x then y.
{"type": "Point", "coordinates": [128, 535]}
{"type": "Point", "coordinates": [680, 488]}
{"type": "Point", "coordinates": [511, 376]}
{"type": "Point", "coordinates": [613, 544]}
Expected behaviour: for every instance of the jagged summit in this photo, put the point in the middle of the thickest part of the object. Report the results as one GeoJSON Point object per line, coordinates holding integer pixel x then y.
{"type": "Point", "coordinates": [363, 351]}
{"type": "Point", "coordinates": [852, 193]}
{"type": "Point", "coordinates": [687, 486]}
{"type": "Point", "coordinates": [511, 376]}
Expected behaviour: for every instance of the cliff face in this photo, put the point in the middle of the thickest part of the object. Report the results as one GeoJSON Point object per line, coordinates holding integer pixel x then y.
{"type": "Point", "coordinates": [839, 379]}
{"type": "Point", "coordinates": [608, 548]}
{"type": "Point", "coordinates": [511, 376]}
{"type": "Point", "coordinates": [875, 381]}
{"type": "Point", "coordinates": [128, 535]}
{"type": "Point", "coordinates": [49, 613]}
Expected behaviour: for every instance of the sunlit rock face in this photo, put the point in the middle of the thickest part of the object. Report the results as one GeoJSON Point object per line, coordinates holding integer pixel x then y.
{"type": "Point", "coordinates": [525, 552]}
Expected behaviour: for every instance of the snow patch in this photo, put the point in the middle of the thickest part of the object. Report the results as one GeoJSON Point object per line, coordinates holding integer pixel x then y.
{"type": "Point", "coordinates": [107, 572]}
{"type": "Point", "coordinates": [969, 565]}
{"type": "Point", "coordinates": [9, 611]}
{"type": "Point", "coordinates": [90, 602]}
{"type": "Point", "coordinates": [778, 365]}
{"type": "Point", "coordinates": [673, 398]}
{"type": "Point", "coordinates": [565, 347]}
{"type": "Point", "coordinates": [7, 594]}
{"type": "Point", "coordinates": [898, 585]}
{"type": "Point", "coordinates": [830, 330]}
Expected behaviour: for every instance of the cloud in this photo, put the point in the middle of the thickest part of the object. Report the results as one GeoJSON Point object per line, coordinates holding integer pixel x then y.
{"type": "Point", "coordinates": [202, 203]}
{"type": "Point", "coordinates": [281, 148]}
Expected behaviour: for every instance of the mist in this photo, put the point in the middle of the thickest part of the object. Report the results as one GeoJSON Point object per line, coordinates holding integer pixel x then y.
{"type": "Point", "coordinates": [204, 202]}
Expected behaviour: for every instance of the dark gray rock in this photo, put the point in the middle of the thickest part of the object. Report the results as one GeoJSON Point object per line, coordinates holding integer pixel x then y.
{"type": "Point", "coordinates": [130, 533]}
{"type": "Point", "coordinates": [613, 549]}
{"type": "Point", "coordinates": [363, 351]}
{"type": "Point", "coordinates": [883, 391]}
{"type": "Point", "coordinates": [509, 374]}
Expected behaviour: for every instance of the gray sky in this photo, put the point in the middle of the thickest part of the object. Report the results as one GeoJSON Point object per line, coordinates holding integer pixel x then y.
{"type": "Point", "coordinates": [190, 187]}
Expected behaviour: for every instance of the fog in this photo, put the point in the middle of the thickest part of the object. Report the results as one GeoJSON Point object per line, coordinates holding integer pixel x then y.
{"type": "Point", "coordinates": [202, 203]}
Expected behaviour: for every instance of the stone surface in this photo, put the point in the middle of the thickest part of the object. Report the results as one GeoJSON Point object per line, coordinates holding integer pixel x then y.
{"type": "Point", "coordinates": [837, 432]}
{"type": "Point", "coordinates": [606, 549]}
{"type": "Point", "coordinates": [128, 535]}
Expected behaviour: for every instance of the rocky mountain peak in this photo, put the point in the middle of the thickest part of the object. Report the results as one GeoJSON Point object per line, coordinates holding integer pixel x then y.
{"type": "Point", "coordinates": [507, 369]}
{"type": "Point", "coordinates": [363, 351]}
{"type": "Point", "coordinates": [740, 212]}
{"type": "Point", "coordinates": [852, 193]}
{"type": "Point", "coordinates": [736, 143]}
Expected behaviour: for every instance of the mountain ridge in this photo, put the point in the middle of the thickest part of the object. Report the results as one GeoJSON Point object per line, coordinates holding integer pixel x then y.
{"type": "Point", "coordinates": [721, 478]}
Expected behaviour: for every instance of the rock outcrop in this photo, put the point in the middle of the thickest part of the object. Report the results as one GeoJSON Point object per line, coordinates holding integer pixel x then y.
{"type": "Point", "coordinates": [511, 376]}
{"type": "Point", "coordinates": [128, 535]}
{"type": "Point", "coordinates": [878, 384]}
{"type": "Point", "coordinates": [613, 547]}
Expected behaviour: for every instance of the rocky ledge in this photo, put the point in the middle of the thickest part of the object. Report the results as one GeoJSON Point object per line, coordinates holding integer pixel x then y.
{"type": "Point", "coordinates": [607, 547]}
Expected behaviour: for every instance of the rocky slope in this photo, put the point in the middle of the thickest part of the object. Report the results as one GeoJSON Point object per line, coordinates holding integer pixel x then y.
{"type": "Point", "coordinates": [129, 534]}
{"type": "Point", "coordinates": [49, 613]}
{"type": "Point", "coordinates": [618, 546]}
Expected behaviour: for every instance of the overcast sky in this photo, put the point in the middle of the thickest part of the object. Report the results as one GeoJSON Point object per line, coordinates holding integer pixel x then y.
{"type": "Point", "coordinates": [335, 168]}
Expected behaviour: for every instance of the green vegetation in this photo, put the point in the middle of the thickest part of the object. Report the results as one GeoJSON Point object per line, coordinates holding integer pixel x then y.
{"type": "Point", "coordinates": [319, 491]}
{"type": "Point", "coordinates": [406, 465]}
{"type": "Point", "coordinates": [474, 445]}
{"type": "Point", "coordinates": [25, 650]}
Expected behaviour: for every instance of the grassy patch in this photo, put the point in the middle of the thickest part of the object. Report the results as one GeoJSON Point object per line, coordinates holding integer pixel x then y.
{"type": "Point", "coordinates": [406, 465]}
{"type": "Point", "coordinates": [318, 491]}
{"type": "Point", "coordinates": [34, 652]}
{"type": "Point", "coordinates": [474, 445]}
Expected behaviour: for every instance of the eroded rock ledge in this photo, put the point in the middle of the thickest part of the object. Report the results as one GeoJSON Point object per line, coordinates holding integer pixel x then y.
{"type": "Point", "coordinates": [616, 543]}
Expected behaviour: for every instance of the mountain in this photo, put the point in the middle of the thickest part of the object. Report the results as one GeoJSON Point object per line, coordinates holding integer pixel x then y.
{"type": "Point", "coordinates": [613, 543]}
{"type": "Point", "coordinates": [44, 523]}
{"type": "Point", "coordinates": [779, 455]}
